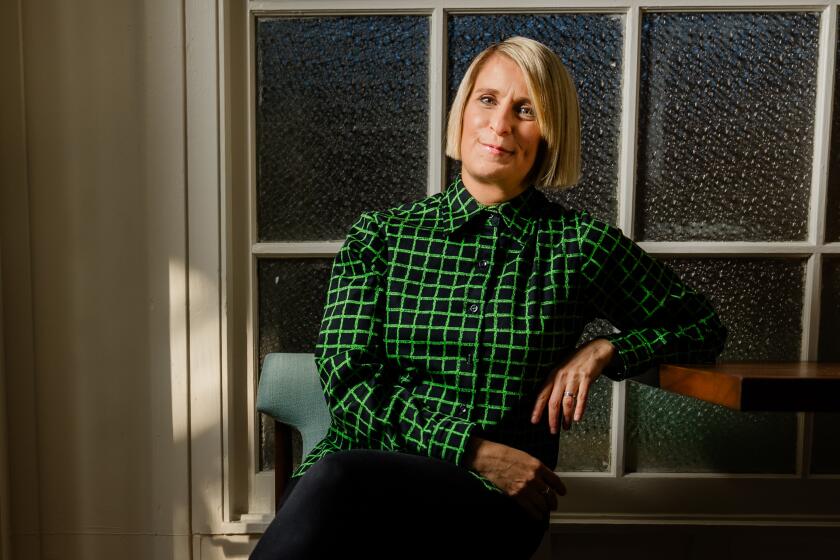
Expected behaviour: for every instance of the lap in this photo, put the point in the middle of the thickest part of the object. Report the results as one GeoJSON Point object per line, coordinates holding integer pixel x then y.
{"type": "Point", "coordinates": [408, 500]}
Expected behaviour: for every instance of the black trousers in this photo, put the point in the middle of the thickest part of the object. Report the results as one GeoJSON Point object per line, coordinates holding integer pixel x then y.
{"type": "Point", "coordinates": [368, 503]}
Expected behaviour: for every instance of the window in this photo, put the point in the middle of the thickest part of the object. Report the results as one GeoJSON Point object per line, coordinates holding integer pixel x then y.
{"type": "Point", "coordinates": [706, 135]}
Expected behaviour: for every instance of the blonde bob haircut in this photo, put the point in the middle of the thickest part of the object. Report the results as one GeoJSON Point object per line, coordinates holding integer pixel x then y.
{"type": "Point", "coordinates": [552, 90]}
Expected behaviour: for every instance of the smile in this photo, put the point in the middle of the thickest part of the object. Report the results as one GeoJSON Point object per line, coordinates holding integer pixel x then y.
{"type": "Point", "coordinates": [495, 150]}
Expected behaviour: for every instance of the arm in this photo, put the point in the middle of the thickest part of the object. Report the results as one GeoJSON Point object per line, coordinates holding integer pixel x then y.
{"type": "Point", "coordinates": [660, 318]}
{"type": "Point", "coordinates": [367, 403]}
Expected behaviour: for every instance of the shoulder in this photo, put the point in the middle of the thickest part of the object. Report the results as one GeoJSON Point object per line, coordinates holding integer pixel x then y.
{"type": "Point", "coordinates": [579, 223]}
{"type": "Point", "coordinates": [368, 235]}
{"type": "Point", "coordinates": [596, 233]}
{"type": "Point", "coordinates": [594, 240]}
{"type": "Point", "coordinates": [422, 213]}
{"type": "Point", "coordinates": [425, 213]}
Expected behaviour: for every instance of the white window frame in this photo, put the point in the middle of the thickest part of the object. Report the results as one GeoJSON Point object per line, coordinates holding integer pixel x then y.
{"type": "Point", "coordinates": [229, 496]}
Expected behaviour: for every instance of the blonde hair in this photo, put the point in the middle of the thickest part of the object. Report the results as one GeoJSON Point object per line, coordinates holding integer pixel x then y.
{"type": "Point", "coordinates": [552, 90]}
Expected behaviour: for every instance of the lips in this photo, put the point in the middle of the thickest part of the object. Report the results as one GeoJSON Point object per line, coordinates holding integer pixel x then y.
{"type": "Point", "coordinates": [496, 149]}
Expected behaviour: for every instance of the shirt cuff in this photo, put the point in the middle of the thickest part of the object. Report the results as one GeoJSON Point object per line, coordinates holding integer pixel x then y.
{"type": "Point", "coordinates": [615, 368]}
{"type": "Point", "coordinates": [449, 440]}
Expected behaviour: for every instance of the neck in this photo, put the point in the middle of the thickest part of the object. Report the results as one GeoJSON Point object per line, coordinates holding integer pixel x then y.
{"type": "Point", "coordinates": [491, 193]}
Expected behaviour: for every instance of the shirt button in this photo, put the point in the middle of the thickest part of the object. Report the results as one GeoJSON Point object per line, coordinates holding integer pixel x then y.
{"type": "Point", "coordinates": [474, 308]}
{"type": "Point", "coordinates": [482, 264]}
{"type": "Point", "coordinates": [463, 410]}
{"type": "Point", "coordinates": [493, 220]}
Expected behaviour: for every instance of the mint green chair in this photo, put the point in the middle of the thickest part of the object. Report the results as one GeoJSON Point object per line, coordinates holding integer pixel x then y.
{"type": "Point", "coordinates": [290, 392]}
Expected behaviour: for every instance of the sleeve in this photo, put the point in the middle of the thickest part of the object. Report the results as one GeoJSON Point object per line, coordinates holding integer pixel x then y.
{"type": "Point", "coordinates": [660, 319]}
{"type": "Point", "coordinates": [369, 402]}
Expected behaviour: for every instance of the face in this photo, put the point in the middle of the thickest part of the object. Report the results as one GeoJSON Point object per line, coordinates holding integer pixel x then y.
{"type": "Point", "coordinates": [500, 134]}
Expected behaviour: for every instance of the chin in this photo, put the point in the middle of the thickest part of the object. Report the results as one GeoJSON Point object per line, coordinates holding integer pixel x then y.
{"type": "Point", "coordinates": [492, 174]}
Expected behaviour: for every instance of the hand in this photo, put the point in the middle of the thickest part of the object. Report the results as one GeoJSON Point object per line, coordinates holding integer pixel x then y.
{"type": "Point", "coordinates": [520, 475]}
{"type": "Point", "coordinates": [575, 376]}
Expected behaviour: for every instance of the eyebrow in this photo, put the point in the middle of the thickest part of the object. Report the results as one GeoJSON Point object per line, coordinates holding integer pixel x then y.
{"type": "Point", "coordinates": [496, 92]}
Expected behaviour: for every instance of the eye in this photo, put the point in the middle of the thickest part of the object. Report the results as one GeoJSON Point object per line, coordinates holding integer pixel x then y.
{"type": "Point", "coordinates": [527, 111]}
{"type": "Point", "coordinates": [485, 99]}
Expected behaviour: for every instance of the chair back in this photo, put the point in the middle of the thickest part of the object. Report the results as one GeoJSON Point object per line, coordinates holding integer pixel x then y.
{"type": "Point", "coordinates": [290, 392]}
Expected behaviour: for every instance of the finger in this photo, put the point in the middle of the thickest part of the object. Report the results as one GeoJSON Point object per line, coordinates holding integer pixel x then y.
{"type": "Point", "coordinates": [540, 404]}
{"type": "Point", "coordinates": [545, 490]}
{"type": "Point", "coordinates": [568, 407]}
{"type": "Point", "coordinates": [550, 498]}
{"type": "Point", "coordinates": [542, 397]}
{"type": "Point", "coordinates": [583, 392]}
{"type": "Point", "coordinates": [555, 405]}
{"type": "Point", "coordinates": [539, 503]}
{"type": "Point", "coordinates": [555, 482]}
{"type": "Point", "coordinates": [554, 410]}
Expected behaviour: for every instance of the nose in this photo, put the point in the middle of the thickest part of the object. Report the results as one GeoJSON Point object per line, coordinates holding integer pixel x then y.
{"type": "Point", "coordinates": [500, 121]}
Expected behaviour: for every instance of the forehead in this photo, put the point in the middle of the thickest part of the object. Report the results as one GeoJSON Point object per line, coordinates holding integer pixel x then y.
{"type": "Point", "coordinates": [501, 73]}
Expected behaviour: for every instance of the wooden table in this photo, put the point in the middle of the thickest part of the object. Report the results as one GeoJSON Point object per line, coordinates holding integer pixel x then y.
{"type": "Point", "coordinates": [754, 386]}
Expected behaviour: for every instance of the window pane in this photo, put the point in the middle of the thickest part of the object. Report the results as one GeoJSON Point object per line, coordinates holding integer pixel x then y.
{"type": "Point", "coordinates": [292, 293]}
{"type": "Point", "coordinates": [829, 350]}
{"type": "Point", "coordinates": [586, 447]}
{"type": "Point", "coordinates": [825, 456]}
{"type": "Point", "coordinates": [726, 124]}
{"type": "Point", "coordinates": [590, 45]}
{"type": "Point", "coordinates": [832, 224]}
{"type": "Point", "coordinates": [342, 121]}
{"type": "Point", "coordinates": [760, 302]}
{"type": "Point", "coordinates": [825, 452]}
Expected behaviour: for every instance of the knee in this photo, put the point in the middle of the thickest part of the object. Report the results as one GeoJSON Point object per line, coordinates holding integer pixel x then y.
{"type": "Point", "coordinates": [337, 468]}
{"type": "Point", "coordinates": [333, 472]}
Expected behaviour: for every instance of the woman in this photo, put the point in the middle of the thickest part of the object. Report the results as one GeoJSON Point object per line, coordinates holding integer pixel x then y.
{"type": "Point", "coordinates": [447, 346]}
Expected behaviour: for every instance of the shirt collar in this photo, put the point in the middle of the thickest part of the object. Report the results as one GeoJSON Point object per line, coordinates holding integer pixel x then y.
{"type": "Point", "coordinates": [460, 207]}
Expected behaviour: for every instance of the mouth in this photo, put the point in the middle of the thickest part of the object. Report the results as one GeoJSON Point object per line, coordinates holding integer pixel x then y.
{"type": "Point", "coordinates": [495, 149]}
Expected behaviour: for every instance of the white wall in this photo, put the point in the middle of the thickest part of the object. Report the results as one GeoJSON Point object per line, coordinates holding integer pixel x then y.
{"type": "Point", "coordinates": [94, 251]}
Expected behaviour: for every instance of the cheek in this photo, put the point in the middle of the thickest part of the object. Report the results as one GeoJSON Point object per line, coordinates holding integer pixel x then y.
{"type": "Point", "coordinates": [470, 125]}
{"type": "Point", "coordinates": [534, 143]}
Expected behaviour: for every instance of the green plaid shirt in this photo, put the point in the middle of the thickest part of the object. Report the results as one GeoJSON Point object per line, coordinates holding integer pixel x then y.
{"type": "Point", "coordinates": [444, 316]}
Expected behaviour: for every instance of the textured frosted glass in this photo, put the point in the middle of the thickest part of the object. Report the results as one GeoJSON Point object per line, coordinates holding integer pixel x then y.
{"type": "Point", "coordinates": [586, 447]}
{"type": "Point", "coordinates": [590, 45]}
{"type": "Point", "coordinates": [342, 121]}
{"type": "Point", "coordinates": [726, 124]}
{"type": "Point", "coordinates": [292, 293]}
{"type": "Point", "coordinates": [760, 302]}
{"type": "Point", "coordinates": [825, 456]}
{"type": "Point", "coordinates": [832, 228]}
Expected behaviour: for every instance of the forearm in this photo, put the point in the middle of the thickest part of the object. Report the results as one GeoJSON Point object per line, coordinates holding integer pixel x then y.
{"type": "Point", "coordinates": [660, 317]}
{"type": "Point", "coordinates": [700, 341]}
{"type": "Point", "coordinates": [367, 406]}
